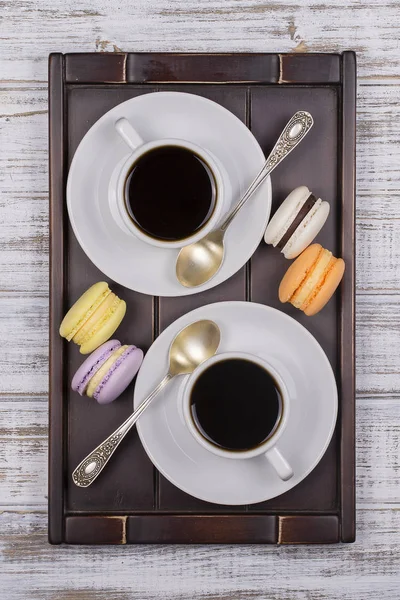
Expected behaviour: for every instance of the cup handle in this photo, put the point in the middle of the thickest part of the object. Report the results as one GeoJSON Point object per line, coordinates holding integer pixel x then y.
{"type": "Point", "coordinates": [280, 464]}
{"type": "Point", "coordinates": [128, 133]}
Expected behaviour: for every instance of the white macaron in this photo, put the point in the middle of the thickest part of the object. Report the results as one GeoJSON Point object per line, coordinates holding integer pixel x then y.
{"type": "Point", "coordinates": [297, 222]}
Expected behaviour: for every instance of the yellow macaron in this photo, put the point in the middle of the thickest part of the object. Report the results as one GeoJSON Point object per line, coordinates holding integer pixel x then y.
{"type": "Point", "coordinates": [93, 318]}
{"type": "Point", "coordinates": [311, 279]}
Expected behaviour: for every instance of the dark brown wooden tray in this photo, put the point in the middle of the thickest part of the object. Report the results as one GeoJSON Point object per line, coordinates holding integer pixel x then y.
{"type": "Point", "coordinates": [132, 502]}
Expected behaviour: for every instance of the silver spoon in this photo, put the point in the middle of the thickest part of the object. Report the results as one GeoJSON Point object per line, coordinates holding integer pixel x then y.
{"type": "Point", "coordinates": [199, 262]}
{"type": "Point", "coordinates": [191, 346]}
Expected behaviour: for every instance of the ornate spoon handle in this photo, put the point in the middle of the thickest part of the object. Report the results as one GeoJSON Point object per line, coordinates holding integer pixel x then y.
{"type": "Point", "coordinates": [91, 466]}
{"type": "Point", "coordinates": [293, 133]}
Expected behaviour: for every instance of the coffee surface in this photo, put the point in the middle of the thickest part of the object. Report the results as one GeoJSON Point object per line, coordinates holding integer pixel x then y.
{"type": "Point", "coordinates": [170, 193]}
{"type": "Point", "coordinates": [236, 404]}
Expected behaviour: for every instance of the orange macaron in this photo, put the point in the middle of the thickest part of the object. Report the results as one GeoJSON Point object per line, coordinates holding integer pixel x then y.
{"type": "Point", "coordinates": [311, 280]}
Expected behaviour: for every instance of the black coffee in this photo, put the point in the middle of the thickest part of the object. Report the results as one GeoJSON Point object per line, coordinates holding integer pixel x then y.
{"type": "Point", "coordinates": [236, 404]}
{"type": "Point", "coordinates": [170, 193]}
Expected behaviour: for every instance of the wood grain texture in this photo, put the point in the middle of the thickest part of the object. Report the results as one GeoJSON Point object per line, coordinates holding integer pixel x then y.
{"type": "Point", "coordinates": [368, 568]}
{"type": "Point", "coordinates": [24, 186]}
{"type": "Point", "coordinates": [30, 568]}
{"type": "Point", "coordinates": [25, 358]}
{"type": "Point", "coordinates": [210, 25]}
{"type": "Point", "coordinates": [377, 329]}
{"type": "Point", "coordinates": [23, 450]}
{"type": "Point", "coordinates": [378, 343]}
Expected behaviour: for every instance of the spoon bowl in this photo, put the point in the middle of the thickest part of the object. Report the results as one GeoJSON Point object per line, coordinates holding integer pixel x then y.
{"type": "Point", "coordinates": [199, 262]}
{"type": "Point", "coordinates": [192, 346]}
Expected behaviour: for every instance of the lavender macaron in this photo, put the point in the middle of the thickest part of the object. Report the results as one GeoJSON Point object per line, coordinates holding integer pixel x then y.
{"type": "Point", "coordinates": [107, 372]}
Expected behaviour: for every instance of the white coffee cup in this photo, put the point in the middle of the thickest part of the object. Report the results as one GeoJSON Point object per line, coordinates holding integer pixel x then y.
{"type": "Point", "coordinates": [268, 448]}
{"type": "Point", "coordinates": [139, 147]}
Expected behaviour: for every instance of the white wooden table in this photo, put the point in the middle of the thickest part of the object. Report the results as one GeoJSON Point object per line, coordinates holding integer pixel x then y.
{"type": "Point", "coordinates": [32, 569]}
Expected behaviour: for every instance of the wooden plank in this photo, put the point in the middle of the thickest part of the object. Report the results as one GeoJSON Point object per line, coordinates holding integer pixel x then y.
{"type": "Point", "coordinates": [170, 498]}
{"type": "Point", "coordinates": [320, 148]}
{"type": "Point", "coordinates": [377, 451]}
{"type": "Point", "coordinates": [309, 529]}
{"type": "Point", "coordinates": [217, 26]}
{"type": "Point", "coordinates": [57, 363]}
{"type": "Point", "coordinates": [23, 180]}
{"type": "Point", "coordinates": [25, 240]}
{"type": "Point", "coordinates": [368, 568]}
{"type": "Point", "coordinates": [378, 128]}
{"type": "Point", "coordinates": [347, 301]}
{"type": "Point", "coordinates": [378, 344]}
{"type": "Point", "coordinates": [24, 147]}
{"type": "Point", "coordinates": [24, 138]}
{"type": "Point", "coordinates": [100, 67]}
{"type": "Point", "coordinates": [27, 371]}
{"type": "Point", "coordinates": [201, 67]}
{"type": "Point", "coordinates": [201, 529]}
{"type": "Point", "coordinates": [23, 450]}
{"type": "Point", "coordinates": [115, 491]}
{"type": "Point", "coordinates": [378, 242]}
{"type": "Point", "coordinates": [310, 68]}
{"type": "Point", "coordinates": [95, 530]}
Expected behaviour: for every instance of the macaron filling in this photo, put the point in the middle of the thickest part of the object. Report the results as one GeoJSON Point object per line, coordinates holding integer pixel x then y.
{"type": "Point", "coordinates": [98, 319]}
{"type": "Point", "coordinates": [103, 370]}
{"type": "Point", "coordinates": [120, 359]}
{"type": "Point", "coordinates": [300, 216]}
{"type": "Point", "coordinates": [88, 314]}
{"type": "Point", "coordinates": [314, 280]}
{"type": "Point", "coordinates": [83, 384]}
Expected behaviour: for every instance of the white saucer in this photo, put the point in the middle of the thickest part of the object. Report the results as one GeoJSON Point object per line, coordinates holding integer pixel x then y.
{"type": "Point", "coordinates": [120, 255]}
{"type": "Point", "coordinates": [300, 360]}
